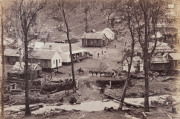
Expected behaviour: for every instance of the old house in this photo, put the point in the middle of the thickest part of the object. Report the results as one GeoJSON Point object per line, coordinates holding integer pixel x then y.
{"type": "Point", "coordinates": [17, 70]}
{"type": "Point", "coordinates": [63, 50]}
{"type": "Point", "coordinates": [48, 59]}
{"type": "Point", "coordinates": [174, 59]}
{"type": "Point", "coordinates": [160, 63]}
{"type": "Point", "coordinates": [16, 75]}
{"type": "Point", "coordinates": [97, 39]}
{"type": "Point", "coordinates": [12, 56]}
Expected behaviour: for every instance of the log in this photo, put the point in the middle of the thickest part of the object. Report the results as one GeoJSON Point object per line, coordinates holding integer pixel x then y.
{"type": "Point", "coordinates": [128, 103]}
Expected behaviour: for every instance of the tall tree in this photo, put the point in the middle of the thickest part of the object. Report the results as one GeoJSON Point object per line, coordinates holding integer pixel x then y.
{"type": "Point", "coordinates": [152, 12]}
{"type": "Point", "coordinates": [27, 12]}
{"type": "Point", "coordinates": [128, 11]}
{"type": "Point", "coordinates": [144, 17]}
{"type": "Point", "coordinates": [61, 17]}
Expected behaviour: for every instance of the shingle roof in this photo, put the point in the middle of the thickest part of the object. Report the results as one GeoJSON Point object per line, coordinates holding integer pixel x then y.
{"type": "Point", "coordinates": [175, 56]}
{"type": "Point", "coordinates": [11, 52]}
{"type": "Point", "coordinates": [42, 54]}
{"type": "Point", "coordinates": [97, 35]}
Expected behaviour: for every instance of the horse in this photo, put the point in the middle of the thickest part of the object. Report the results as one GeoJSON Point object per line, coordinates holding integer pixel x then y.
{"type": "Point", "coordinates": [80, 70]}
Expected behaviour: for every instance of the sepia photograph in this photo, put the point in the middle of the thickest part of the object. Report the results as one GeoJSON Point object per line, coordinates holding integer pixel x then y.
{"type": "Point", "coordinates": [90, 59]}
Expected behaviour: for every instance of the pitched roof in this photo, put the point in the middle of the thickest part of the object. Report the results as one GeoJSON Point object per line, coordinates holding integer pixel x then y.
{"type": "Point", "coordinates": [11, 52]}
{"type": "Point", "coordinates": [175, 56]}
{"type": "Point", "coordinates": [159, 59]}
{"type": "Point", "coordinates": [109, 33]}
{"type": "Point", "coordinates": [52, 46]}
{"type": "Point", "coordinates": [97, 35]}
{"type": "Point", "coordinates": [62, 48]}
{"type": "Point", "coordinates": [42, 54]}
{"type": "Point", "coordinates": [36, 44]}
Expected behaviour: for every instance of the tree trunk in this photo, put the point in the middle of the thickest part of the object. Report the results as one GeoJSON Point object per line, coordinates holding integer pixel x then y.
{"type": "Point", "coordinates": [130, 64]}
{"type": "Point", "coordinates": [70, 48]}
{"type": "Point", "coordinates": [146, 66]}
{"type": "Point", "coordinates": [26, 72]}
{"type": "Point", "coordinates": [2, 77]}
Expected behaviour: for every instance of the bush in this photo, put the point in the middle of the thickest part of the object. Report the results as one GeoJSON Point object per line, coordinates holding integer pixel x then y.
{"type": "Point", "coordinates": [72, 100]}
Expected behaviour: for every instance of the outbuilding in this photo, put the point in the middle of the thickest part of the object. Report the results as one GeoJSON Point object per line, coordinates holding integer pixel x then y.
{"type": "Point", "coordinates": [11, 56]}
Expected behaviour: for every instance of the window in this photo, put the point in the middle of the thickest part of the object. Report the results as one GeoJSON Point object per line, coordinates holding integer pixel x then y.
{"type": "Point", "coordinates": [59, 61]}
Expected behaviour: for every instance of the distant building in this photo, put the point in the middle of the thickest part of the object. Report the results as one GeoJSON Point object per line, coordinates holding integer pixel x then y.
{"type": "Point", "coordinates": [11, 56]}
{"type": "Point", "coordinates": [15, 82]}
{"type": "Point", "coordinates": [175, 61]}
{"type": "Point", "coordinates": [94, 40]}
{"type": "Point", "coordinates": [17, 70]}
{"type": "Point", "coordinates": [108, 33]}
{"type": "Point", "coordinates": [48, 59]}
{"type": "Point", "coordinates": [98, 39]}
{"type": "Point", "coordinates": [63, 50]}
{"type": "Point", "coordinates": [160, 63]}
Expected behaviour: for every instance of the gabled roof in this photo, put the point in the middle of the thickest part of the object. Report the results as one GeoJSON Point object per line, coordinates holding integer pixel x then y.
{"type": "Point", "coordinates": [108, 33]}
{"type": "Point", "coordinates": [175, 56]}
{"type": "Point", "coordinates": [11, 52]}
{"type": "Point", "coordinates": [36, 44]}
{"type": "Point", "coordinates": [97, 35]}
{"type": "Point", "coordinates": [159, 59]}
{"type": "Point", "coordinates": [52, 46]}
{"type": "Point", "coordinates": [42, 54]}
{"type": "Point", "coordinates": [62, 48]}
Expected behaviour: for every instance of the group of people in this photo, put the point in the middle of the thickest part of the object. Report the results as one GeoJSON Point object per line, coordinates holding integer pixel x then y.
{"type": "Point", "coordinates": [102, 52]}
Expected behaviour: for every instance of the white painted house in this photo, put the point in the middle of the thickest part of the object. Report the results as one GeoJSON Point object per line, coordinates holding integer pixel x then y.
{"type": "Point", "coordinates": [48, 59]}
{"type": "Point", "coordinates": [63, 50]}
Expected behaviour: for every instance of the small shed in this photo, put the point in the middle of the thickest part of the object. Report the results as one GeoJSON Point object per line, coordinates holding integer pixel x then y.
{"type": "Point", "coordinates": [11, 56]}
{"type": "Point", "coordinates": [96, 39]}
{"type": "Point", "coordinates": [174, 61]}
{"type": "Point", "coordinates": [48, 59]}
{"type": "Point", "coordinates": [160, 63]}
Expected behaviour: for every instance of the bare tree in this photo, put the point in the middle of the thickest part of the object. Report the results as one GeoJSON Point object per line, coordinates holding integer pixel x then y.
{"type": "Point", "coordinates": [142, 18]}
{"type": "Point", "coordinates": [61, 17]}
{"type": "Point", "coordinates": [128, 11]}
{"type": "Point", "coordinates": [27, 12]}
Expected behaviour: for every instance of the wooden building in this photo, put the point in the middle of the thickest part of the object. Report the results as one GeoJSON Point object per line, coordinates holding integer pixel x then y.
{"type": "Point", "coordinates": [17, 70]}
{"type": "Point", "coordinates": [174, 59]}
{"type": "Point", "coordinates": [11, 56]}
{"type": "Point", "coordinates": [48, 59]}
{"type": "Point", "coordinates": [97, 39]}
{"type": "Point", "coordinates": [160, 63]}
{"type": "Point", "coordinates": [63, 50]}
